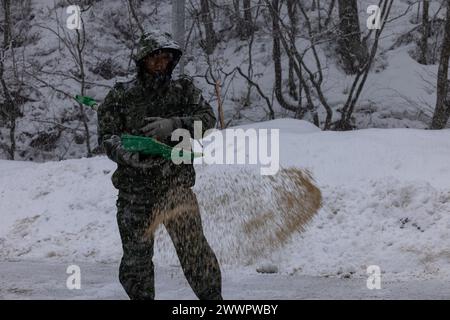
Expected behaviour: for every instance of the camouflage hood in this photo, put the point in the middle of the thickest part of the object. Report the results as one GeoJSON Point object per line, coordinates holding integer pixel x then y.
{"type": "Point", "coordinates": [150, 43]}
{"type": "Point", "coordinates": [153, 41]}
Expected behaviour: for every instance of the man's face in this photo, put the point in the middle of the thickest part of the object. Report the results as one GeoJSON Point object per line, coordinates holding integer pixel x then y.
{"type": "Point", "coordinates": [158, 63]}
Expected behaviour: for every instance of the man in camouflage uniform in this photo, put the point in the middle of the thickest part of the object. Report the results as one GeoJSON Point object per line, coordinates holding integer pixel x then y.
{"type": "Point", "coordinates": [154, 105]}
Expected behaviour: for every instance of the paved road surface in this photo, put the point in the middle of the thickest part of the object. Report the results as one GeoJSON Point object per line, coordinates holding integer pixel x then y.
{"type": "Point", "coordinates": [43, 280]}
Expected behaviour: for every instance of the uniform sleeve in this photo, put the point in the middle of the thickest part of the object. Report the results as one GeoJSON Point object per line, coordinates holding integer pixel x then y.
{"type": "Point", "coordinates": [109, 123]}
{"type": "Point", "coordinates": [198, 109]}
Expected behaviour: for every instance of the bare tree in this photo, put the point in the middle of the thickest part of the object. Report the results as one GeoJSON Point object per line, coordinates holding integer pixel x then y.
{"type": "Point", "coordinates": [8, 108]}
{"type": "Point", "coordinates": [135, 16]}
{"type": "Point", "coordinates": [351, 49]}
{"type": "Point", "coordinates": [178, 27]}
{"type": "Point", "coordinates": [76, 46]}
{"type": "Point", "coordinates": [329, 13]}
{"type": "Point", "coordinates": [7, 21]}
{"type": "Point", "coordinates": [315, 80]}
{"type": "Point", "coordinates": [251, 39]}
{"type": "Point", "coordinates": [442, 111]}
{"type": "Point", "coordinates": [275, 7]}
{"type": "Point", "coordinates": [363, 71]}
{"type": "Point", "coordinates": [238, 20]}
{"type": "Point", "coordinates": [271, 112]}
{"type": "Point", "coordinates": [247, 12]}
{"type": "Point", "coordinates": [425, 32]}
{"type": "Point", "coordinates": [249, 26]}
{"type": "Point", "coordinates": [311, 77]}
{"type": "Point", "coordinates": [293, 19]}
{"type": "Point", "coordinates": [210, 41]}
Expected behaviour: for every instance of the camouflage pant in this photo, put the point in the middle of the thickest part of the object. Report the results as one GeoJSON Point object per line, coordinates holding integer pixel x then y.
{"type": "Point", "coordinates": [179, 212]}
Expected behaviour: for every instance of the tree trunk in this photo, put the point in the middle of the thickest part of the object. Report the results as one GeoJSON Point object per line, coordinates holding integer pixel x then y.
{"type": "Point", "coordinates": [329, 13]}
{"type": "Point", "coordinates": [248, 20]}
{"type": "Point", "coordinates": [244, 24]}
{"type": "Point", "coordinates": [292, 13]}
{"type": "Point", "coordinates": [351, 49]}
{"type": "Point", "coordinates": [425, 32]}
{"type": "Point", "coordinates": [319, 17]}
{"type": "Point", "coordinates": [247, 12]}
{"type": "Point", "coordinates": [442, 111]}
{"type": "Point", "coordinates": [276, 56]}
{"type": "Point", "coordinates": [238, 20]}
{"type": "Point", "coordinates": [7, 22]}
{"type": "Point", "coordinates": [211, 40]}
{"type": "Point", "coordinates": [178, 27]}
{"type": "Point", "coordinates": [9, 104]}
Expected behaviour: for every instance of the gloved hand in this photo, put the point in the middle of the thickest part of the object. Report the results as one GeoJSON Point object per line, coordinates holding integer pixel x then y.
{"type": "Point", "coordinates": [119, 154]}
{"type": "Point", "coordinates": [159, 128]}
{"type": "Point", "coordinates": [111, 144]}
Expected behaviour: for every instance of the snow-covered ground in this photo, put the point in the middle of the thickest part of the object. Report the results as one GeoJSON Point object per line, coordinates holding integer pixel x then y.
{"type": "Point", "coordinates": [386, 202]}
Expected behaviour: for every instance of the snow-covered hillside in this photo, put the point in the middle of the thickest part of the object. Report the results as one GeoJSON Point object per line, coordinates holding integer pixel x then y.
{"type": "Point", "coordinates": [386, 202]}
{"type": "Point", "coordinates": [399, 93]}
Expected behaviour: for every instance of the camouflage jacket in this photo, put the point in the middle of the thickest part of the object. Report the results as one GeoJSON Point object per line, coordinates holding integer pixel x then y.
{"type": "Point", "coordinates": [123, 112]}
